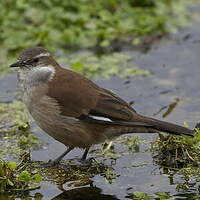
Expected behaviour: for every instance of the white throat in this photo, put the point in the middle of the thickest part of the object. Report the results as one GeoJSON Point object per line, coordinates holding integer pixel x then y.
{"type": "Point", "coordinates": [42, 74]}
{"type": "Point", "coordinates": [30, 77]}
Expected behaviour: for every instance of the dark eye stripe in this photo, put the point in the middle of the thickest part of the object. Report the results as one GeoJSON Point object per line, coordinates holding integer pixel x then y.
{"type": "Point", "coordinates": [35, 59]}
{"type": "Point", "coordinates": [32, 60]}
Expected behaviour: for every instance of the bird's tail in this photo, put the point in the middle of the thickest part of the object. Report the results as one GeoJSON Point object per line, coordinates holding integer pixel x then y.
{"type": "Point", "coordinates": [166, 126]}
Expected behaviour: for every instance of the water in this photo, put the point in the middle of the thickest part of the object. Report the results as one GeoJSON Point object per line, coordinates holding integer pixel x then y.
{"type": "Point", "coordinates": [171, 92]}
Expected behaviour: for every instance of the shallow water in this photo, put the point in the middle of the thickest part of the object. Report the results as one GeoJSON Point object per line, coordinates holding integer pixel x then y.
{"type": "Point", "coordinates": [171, 92]}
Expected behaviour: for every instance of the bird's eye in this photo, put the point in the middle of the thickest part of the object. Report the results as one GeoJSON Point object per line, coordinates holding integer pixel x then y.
{"type": "Point", "coordinates": [32, 61]}
{"type": "Point", "coordinates": [35, 60]}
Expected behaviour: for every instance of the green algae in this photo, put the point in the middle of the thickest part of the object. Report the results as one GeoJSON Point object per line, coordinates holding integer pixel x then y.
{"type": "Point", "coordinates": [13, 114]}
{"type": "Point", "coordinates": [16, 136]}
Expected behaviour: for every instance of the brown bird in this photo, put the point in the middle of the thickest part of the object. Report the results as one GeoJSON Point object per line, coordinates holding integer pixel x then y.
{"type": "Point", "coordinates": [74, 110]}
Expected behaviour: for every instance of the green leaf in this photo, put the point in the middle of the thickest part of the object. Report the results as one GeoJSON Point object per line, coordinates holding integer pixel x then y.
{"type": "Point", "coordinates": [163, 195]}
{"type": "Point", "coordinates": [141, 196]}
{"type": "Point", "coordinates": [9, 182]}
{"type": "Point", "coordinates": [24, 176]}
{"type": "Point", "coordinates": [37, 178]}
{"type": "Point", "coordinates": [12, 165]}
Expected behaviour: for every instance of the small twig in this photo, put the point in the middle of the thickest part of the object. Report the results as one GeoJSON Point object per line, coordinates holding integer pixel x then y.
{"type": "Point", "coordinates": [189, 155]}
{"type": "Point", "coordinates": [108, 146]}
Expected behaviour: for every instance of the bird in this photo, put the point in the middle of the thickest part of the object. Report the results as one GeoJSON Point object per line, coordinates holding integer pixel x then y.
{"type": "Point", "coordinates": [74, 110]}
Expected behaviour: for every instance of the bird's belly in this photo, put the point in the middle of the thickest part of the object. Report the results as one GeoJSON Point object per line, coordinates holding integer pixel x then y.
{"type": "Point", "coordinates": [67, 130]}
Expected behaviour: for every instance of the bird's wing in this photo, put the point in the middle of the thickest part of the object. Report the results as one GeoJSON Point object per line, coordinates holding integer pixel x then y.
{"type": "Point", "coordinates": [79, 97]}
{"type": "Point", "coordinates": [111, 106]}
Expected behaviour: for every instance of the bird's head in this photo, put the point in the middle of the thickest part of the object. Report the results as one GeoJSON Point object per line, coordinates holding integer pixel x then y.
{"type": "Point", "coordinates": [33, 57]}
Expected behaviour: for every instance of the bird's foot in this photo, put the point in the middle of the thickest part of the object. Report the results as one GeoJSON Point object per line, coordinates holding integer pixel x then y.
{"type": "Point", "coordinates": [88, 161]}
{"type": "Point", "coordinates": [81, 162]}
{"type": "Point", "coordinates": [50, 163]}
{"type": "Point", "coordinates": [70, 163]}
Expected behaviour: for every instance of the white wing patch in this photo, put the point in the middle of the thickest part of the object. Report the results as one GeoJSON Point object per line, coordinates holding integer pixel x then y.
{"type": "Point", "coordinates": [100, 118]}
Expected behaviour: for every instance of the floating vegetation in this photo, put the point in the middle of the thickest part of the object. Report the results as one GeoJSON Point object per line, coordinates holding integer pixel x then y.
{"type": "Point", "coordinates": [14, 178]}
{"type": "Point", "coordinates": [87, 23]}
{"type": "Point", "coordinates": [130, 144]}
{"type": "Point", "coordinates": [171, 107]}
{"type": "Point", "coordinates": [12, 115]}
{"type": "Point", "coordinates": [93, 66]}
{"type": "Point", "coordinates": [161, 196]}
{"type": "Point", "coordinates": [73, 173]}
{"type": "Point", "coordinates": [110, 175]}
{"type": "Point", "coordinates": [177, 152]}
{"type": "Point", "coordinates": [179, 156]}
{"type": "Point", "coordinates": [144, 196]}
{"type": "Point", "coordinates": [16, 136]}
{"type": "Point", "coordinates": [133, 143]}
{"type": "Point", "coordinates": [26, 175]}
{"type": "Point", "coordinates": [14, 143]}
{"type": "Point", "coordinates": [69, 170]}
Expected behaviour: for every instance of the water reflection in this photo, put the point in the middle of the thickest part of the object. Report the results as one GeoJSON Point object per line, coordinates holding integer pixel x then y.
{"type": "Point", "coordinates": [89, 193]}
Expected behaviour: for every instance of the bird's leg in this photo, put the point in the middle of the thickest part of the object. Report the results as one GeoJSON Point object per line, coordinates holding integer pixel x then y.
{"type": "Point", "coordinates": [83, 158]}
{"type": "Point", "coordinates": [57, 160]}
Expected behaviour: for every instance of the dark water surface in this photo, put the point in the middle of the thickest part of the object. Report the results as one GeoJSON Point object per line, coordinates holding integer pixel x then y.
{"type": "Point", "coordinates": [175, 84]}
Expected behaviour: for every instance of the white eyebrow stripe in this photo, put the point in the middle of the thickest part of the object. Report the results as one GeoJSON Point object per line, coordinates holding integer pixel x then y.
{"type": "Point", "coordinates": [42, 55]}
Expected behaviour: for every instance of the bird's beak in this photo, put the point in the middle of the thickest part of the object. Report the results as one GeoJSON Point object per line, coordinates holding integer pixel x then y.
{"type": "Point", "coordinates": [18, 64]}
